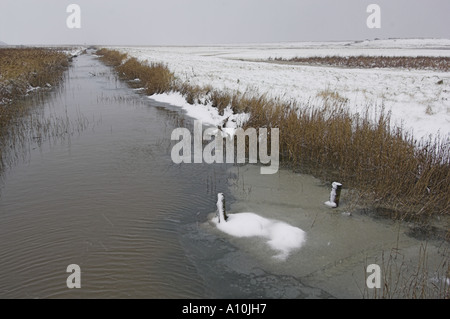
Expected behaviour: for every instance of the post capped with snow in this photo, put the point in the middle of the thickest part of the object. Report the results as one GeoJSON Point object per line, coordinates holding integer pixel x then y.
{"type": "Point", "coordinates": [221, 212]}
{"type": "Point", "coordinates": [335, 195]}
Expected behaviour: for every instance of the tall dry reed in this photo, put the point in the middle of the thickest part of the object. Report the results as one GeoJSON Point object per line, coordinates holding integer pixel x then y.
{"type": "Point", "coordinates": [24, 71]}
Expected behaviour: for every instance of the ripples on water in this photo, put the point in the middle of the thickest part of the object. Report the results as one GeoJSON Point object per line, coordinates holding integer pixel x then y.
{"type": "Point", "coordinates": [105, 196]}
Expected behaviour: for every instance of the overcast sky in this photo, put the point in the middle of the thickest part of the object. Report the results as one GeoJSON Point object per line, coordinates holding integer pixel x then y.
{"type": "Point", "coordinates": [195, 22]}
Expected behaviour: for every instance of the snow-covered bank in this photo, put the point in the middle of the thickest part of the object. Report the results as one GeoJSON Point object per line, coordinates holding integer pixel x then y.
{"type": "Point", "coordinates": [207, 114]}
{"type": "Point", "coordinates": [73, 51]}
{"type": "Point", "coordinates": [414, 97]}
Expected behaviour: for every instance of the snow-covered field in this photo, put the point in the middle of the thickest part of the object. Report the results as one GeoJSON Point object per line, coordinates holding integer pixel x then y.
{"type": "Point", "coordinates": [414, 96]}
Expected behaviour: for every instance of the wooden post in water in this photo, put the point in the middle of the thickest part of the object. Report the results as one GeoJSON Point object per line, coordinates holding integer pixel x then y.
{"type": "Point", "coordinates": [335, 195]}
{"type": "Point", "coordinates": [221, 212]}
{"type": "Point", "coordinates": [337, 187]}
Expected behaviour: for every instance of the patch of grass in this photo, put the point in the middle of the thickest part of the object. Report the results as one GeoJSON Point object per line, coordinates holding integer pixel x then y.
{"type": "Point", "coordinates": [111, 57]}
{"type": "Point", "coordinates": [155, 77]}
{"type": "Point", "coordinates": [194, 94]}
{"type": "Point", "coordinates": [332, 97]}
{"type": "Point", "coordinates": [369, 62]}
{"type": "Point", "coordinates": [25, 68]}
{"type": "Point", "coordinates": [22, 71]}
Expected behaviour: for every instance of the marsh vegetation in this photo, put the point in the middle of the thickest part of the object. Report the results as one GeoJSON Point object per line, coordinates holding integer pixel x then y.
{"type": "Point", "coordinates": [370, 62]}
{"type": "Point", "coordinates": [26, 76]}
{"type": "Point", "coordinates": [387, 166]}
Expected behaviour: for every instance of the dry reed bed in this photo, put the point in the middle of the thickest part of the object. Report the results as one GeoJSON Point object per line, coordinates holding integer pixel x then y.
{"type": "Point", "coordinates": [22, 70]}
{"type": "Point", "coordinates": [367, 62]}
{"type": "Point", "coordinates": [385, 164]}
{"type": "Point", "coordinates": [25, 68]}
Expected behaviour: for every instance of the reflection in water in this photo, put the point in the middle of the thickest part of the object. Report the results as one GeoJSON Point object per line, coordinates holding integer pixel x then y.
{"type": "Point", "coordinates": [106, 197]}
{"type": "Point", "coordinates": [34, 126]}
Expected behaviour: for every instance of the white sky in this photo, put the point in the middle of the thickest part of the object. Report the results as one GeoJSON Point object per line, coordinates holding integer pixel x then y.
{"type": "Point", "coordinates": [184, 22]}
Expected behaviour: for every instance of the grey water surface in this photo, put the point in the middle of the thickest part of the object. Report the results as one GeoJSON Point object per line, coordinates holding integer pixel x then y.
{"type": "Point", "coordinates": [108, 198]}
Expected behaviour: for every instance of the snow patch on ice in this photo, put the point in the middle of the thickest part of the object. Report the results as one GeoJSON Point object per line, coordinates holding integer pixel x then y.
{"type": "Point", "coordinates": [280, 236]}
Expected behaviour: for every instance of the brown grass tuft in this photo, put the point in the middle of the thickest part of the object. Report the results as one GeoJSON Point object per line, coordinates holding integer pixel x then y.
{"type": "Point", "coordinates": [155, 77]}
{"type": "Point", "coordinates": [21, 69]}
{"type": "Point", "coordinates": [111, 57]}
